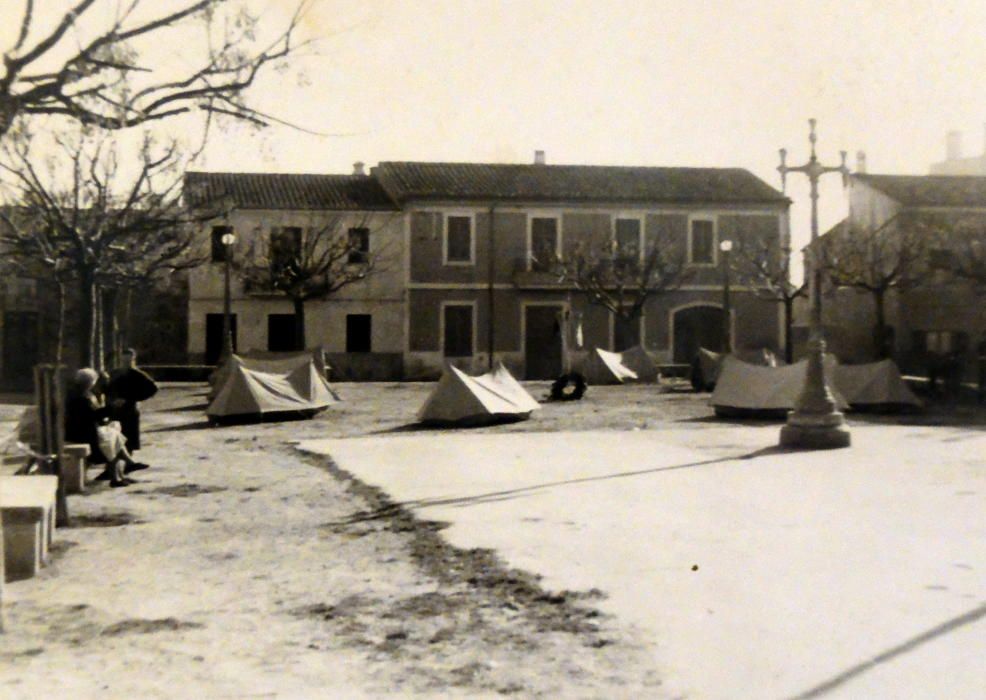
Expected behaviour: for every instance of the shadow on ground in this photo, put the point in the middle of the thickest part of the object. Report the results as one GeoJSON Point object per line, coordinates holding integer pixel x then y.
{"type": "Point", "coordinates": [507, 494]}
{"type": "Point", "coordinates": [944, 628]}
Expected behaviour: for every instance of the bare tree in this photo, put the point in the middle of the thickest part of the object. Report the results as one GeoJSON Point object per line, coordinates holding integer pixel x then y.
{"type": "Point", "coordinates": [313, 263]}
{"type": "Point", "coordinates": [93, 65]}
{"type": "Point", "coordinates": [108, 222]}
{"type": "Point", "coordinates": [892, 256]}
{"type": "Point", "coordinates": [619, 276]}
{"type": "Point", "coordinates": [958, 248]}
{"type": "Point", "coordinates": [766, 264]}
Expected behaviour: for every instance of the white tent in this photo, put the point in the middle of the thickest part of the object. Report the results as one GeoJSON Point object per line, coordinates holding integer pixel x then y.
{"type": "Point", "coordinates": [705, 369]}
{"type": "Point", "coordinates": [249, 394]}
{"type": "Point", "coordinates": [464, 400]}
{"type": "Point", "coordinates": [746, 389]}
{"type": "Point", "coordinates": [604, 367]}
{"type": "Point", "coordinates": [640, 362]}
{"type": "Point", "coordinates": [874, 384]}
{"type": "Point", "coordinates": [272, 363]}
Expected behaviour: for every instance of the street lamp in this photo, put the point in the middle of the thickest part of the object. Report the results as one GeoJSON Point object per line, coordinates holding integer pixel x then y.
{"type": "Point", "coordinates": [228, 239]}
{"type": "Point", "coordinates": [727, 340]}
{"type": "Point", "coordinates": [814, 423]}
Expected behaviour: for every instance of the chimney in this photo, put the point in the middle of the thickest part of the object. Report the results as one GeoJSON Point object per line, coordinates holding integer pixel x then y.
{"type": "Point", "coordinates": [861, 162]}
{"type": "Point", "coordinates": [539, 158]}
{"type": "Point", "coordinates": [358, 168]}
{"type": "Point", "coordinates": [953, 145]}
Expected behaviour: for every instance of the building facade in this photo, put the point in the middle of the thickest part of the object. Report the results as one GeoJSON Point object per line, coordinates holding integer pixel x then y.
{"type": "Point", "coordinates": [466, 281]}
{"type": "Point", "coordinates": [360, 326]}
{"type": "Point", "coordinates": [941, 314]}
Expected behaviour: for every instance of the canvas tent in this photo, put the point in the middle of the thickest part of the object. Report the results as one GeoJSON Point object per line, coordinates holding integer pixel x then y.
{"type": "Point", "coordinates": [640, 362]}
{"type": "Point", "coordinates": [874, 385]}
{"type": "Point", "coordinates": [604, 367]}
{"type": "Point", "coordinates": [244, 394]}
{"type": "Point", "coordinates": [272, 363]}
{"type": "Point", "coordinates": [755, 390]}
{"type": "Point", "coordinates": [459, 399]}
{"type": "Point", "coordinates": [705, 368]}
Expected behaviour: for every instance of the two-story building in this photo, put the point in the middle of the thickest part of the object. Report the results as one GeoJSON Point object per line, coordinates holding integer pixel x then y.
{"type": "Point", "coordinates": [940, 313]}
{"type": "Point", "coordinates": [465, 280]}
{"type": "Point", "coordinates": [473, 282]}
{"type": "Point", "coordinates": [360, 326]}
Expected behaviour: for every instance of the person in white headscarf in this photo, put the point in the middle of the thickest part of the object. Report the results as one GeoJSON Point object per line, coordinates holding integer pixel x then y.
{"type": "Point", "coordinates": [87, 421]}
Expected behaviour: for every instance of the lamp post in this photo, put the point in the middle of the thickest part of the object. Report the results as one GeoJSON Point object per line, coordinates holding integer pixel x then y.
{"type": "Point", "coordinates": [727, 339]}
{"type": "Point", "coordinates": [814, 423]}
{"type": "Point", "coordinates": [228, 239]}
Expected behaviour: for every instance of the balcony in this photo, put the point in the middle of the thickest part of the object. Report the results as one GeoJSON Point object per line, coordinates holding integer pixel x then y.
{"type": "Point", "coordinates": [523, 278]}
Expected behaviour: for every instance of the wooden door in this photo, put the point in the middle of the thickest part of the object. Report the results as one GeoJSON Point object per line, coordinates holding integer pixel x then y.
{"type": "Point", "coordinates": [543, 341]}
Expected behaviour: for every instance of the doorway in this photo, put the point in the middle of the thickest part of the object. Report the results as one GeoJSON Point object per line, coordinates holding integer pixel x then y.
{"type": "Point", "coordinates": [281, 333]}
{"type": "Point", "coordinates": [543, 341]}
{"type": "Point", "coordinates": [214, 336]}
{"type": "Point", "coordinates": [697, 327]}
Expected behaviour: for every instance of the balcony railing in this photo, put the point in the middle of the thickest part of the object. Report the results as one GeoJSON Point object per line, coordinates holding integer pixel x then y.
{"type": "Point", "coordinates": [523, 278]}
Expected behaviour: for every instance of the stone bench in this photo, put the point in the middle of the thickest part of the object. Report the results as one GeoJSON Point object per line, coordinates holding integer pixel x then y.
{"type": "Point", "coordinates": [74, 467]}
{"type": "Point", "coordinates": [27, 509]}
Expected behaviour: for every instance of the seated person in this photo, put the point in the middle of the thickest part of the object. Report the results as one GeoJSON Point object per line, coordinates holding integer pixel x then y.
{"type": "Point", "coordinates": [127, 386]}
{"type": "Point", "coordinates": [87, 422]}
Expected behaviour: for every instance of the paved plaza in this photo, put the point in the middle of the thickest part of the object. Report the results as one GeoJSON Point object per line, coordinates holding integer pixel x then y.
{"type": "Point", "coordinates": [722, 567]}
{"type": "Point", "coordinates": [749, 572]}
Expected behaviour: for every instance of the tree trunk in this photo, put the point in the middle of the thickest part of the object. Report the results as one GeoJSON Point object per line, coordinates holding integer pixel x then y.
{"type": "Point", "coordinates": [881, 326]}
{"type": "Point", "coordinates": [788, 323]}
{"type": "Point", "coordinates": [87, 318]}
{"type": "Point", "coordinates": [299, 324]}
{"type": "Point", "coordinates": [126, 334]}
{"type": "Point", "coordinates": [60, 333]}
{"type": "Point", "coordinates": [111, 308]}
{"type": "Point", "coordinates": [100, 328]}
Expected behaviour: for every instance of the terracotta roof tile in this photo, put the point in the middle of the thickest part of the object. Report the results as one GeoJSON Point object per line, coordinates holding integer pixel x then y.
{"type": "Point", "coordinates": [588, 183]}
{"type": "Point", "coordinates": [288, 191]}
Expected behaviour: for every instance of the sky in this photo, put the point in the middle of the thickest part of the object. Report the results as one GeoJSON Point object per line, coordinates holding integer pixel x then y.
{"type": "Point", "coordinates": [722, 83]}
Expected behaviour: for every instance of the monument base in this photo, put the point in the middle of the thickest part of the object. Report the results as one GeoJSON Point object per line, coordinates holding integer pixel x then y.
{"type": "Point", "coordinates": [825, 431]}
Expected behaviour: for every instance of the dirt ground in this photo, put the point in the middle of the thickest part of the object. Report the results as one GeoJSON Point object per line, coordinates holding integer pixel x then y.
{"type": "Point", "coordinates": [238, 567]}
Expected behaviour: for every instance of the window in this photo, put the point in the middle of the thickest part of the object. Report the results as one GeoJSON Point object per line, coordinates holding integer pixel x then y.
{"type": "Point", "coordinates": [218, 249]}
{"type": "Point", "coordinates": [702, 242]}
{"type": "Point", "coordinates": [359, 246]}
{"type": "Point", "coordinates": [627, 238]}
{"type": "Point", "coordinates": [285, 246]}
{"type": "Point", "coordinates": [544, 243]}
{"type": "Point", "coordinates": [941, 342]}
{"type": "Point", "coordinates": [458, 330]}
{"type": "Point", "coordinates": [280, 333]}
{"type": "Point", "coordinates": [458, 239]}
{"type": "Point", "coordinates": [358, 332]}
{"type": "Point", "coordinates": [626, 333]}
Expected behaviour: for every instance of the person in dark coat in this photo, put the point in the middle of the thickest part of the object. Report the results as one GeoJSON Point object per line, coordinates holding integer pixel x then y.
{"type": "Point", "coordinates": [128, 386]}
{"type": "Point", "coordinates": [85, 416]}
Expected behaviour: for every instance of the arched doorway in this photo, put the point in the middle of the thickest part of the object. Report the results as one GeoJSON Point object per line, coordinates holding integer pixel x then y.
{"type": "Point", "coordinates": [694, 327]}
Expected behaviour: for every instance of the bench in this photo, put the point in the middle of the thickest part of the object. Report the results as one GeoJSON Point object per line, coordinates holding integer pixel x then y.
{"type": "Point", "coordinates": [27, 509]}
{"type": "Point", "coordinates": [73, 466]}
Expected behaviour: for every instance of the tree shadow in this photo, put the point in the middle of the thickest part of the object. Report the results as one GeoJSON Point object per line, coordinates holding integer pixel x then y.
{"type": "Point", "coordinates": [911, 644]}
{"type": "Point", "coordinates": [736, 420]}
{"type": "Point", "coordinates": [444, 427]}
{"type": "Point", "coordinates": [197, 425]}
{"type": "Point", "coordinates": [508, 494]}
{"type": "Point", "coordinates": [199, 407]}
{"type": "Point", "coordinates": [404, 428]}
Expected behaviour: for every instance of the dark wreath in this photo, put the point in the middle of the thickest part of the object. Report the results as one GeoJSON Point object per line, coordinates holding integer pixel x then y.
{"type": "Point", "coordinates": [568, 387]}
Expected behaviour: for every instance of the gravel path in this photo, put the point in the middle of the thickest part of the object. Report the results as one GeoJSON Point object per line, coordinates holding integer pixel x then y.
{"type": "Point", "coordinates": [239, 567]}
